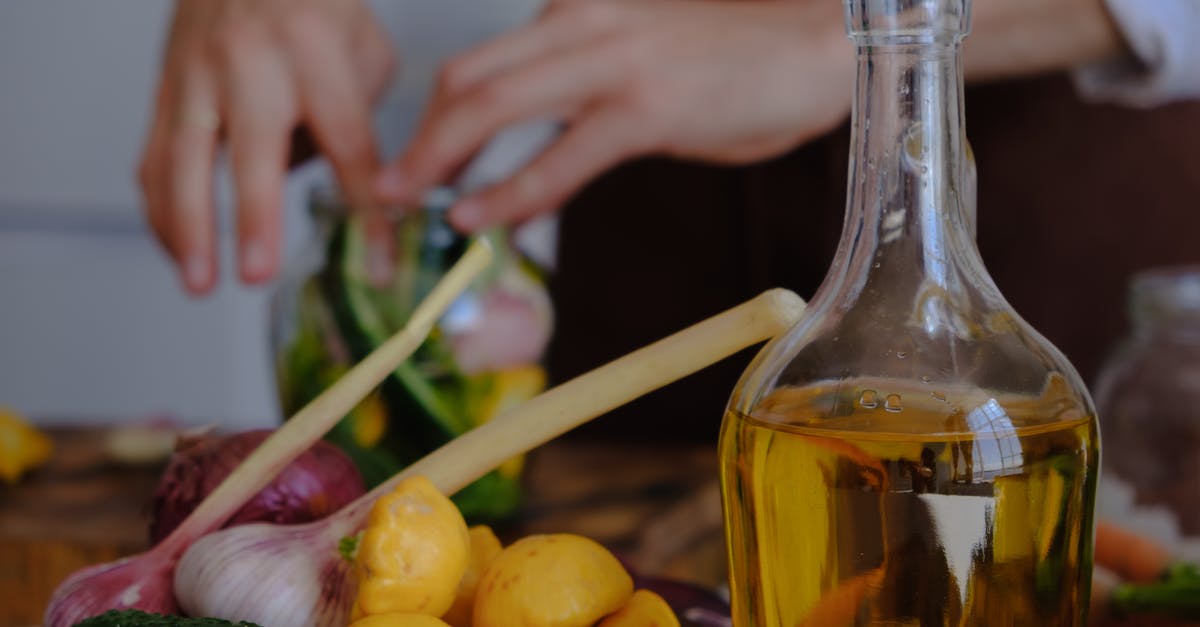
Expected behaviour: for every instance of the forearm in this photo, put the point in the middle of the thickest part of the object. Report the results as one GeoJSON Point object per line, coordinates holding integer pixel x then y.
{"type": "Point", "coordinates": [1023, 37]}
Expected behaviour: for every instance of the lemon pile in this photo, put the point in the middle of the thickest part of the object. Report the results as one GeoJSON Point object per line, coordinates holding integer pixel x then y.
{"type": "Point", "coordinates": [418, 565]}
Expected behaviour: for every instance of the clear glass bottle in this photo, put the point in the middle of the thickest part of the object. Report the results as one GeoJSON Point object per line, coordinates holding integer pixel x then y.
{"type": "Point", "coordinates": [1148, 393]}
{"type": "Point", "coordinates": [912, 452]}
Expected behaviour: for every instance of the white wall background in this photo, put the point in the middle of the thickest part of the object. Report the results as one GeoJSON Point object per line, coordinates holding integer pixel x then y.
{"type": "Point", "coordinates": [93, 324]}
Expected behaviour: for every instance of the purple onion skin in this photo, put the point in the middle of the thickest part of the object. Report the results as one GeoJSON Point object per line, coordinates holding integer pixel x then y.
{"type": "Point", "coordinates": [316, 484]}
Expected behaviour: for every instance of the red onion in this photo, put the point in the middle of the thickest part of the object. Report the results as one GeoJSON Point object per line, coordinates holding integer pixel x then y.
{"type": "Point", "coordinates": [317, 483]}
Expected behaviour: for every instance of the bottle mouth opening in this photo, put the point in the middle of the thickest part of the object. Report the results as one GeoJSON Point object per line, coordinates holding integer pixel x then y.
{"type": "Point", "coordinates": [325, 199]}
{"type": "Point", "coordinates": [907, 22]}
{"type": "Point", "coordinates": [1164, 294]}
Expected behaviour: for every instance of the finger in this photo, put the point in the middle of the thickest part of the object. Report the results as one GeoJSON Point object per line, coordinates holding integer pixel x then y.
{"type": "Point", "coordinates": [151, 171]}
{"type": "Point", "coordinates": [562, 26]}
{"type": "Point", "coordinates": [189, 217]}
{"type": "Point", "coordinates": [261, 113]}
{"type": "Point", "coordinates": [335, 106]}
{"type": "Point", "coordinates": [601, 139]}
{"type": "Point", "coordinates": [458, 128]}
{"type": "Point", "coordinates": [375, 58]}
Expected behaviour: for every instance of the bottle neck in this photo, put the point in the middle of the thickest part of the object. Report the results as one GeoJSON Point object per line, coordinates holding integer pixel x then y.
{"type": "Point", "coordinates": [907, 169]}
{"type": "Point", "coordinates": [908, 242]}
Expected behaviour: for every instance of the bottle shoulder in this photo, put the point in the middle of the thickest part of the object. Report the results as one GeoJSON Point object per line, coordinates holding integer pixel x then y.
{"type": "Point", "coordinates": [885, 373]}
{"type": "Point", "coordinates": [892, 408]}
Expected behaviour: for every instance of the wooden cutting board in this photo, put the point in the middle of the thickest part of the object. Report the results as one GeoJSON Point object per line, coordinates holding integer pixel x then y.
{"type": "Point", "coordinates": [79, 509]}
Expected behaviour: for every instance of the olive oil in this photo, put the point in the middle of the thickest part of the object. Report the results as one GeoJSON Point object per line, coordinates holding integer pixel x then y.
{"type": "Point", "coordinates": [917, 514]}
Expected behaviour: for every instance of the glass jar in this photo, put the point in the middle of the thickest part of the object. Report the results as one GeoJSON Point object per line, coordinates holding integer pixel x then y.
{"type": "Point", "coordinates": [481, 358]}
{"type": "Point", "coordinates": [912, 452]}
{"type": "Point", "coordinates": [1148, 393]}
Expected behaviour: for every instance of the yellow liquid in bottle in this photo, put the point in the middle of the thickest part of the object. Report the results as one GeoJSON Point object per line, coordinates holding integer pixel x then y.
{"type": "Point", "coordinates": [879, 523]}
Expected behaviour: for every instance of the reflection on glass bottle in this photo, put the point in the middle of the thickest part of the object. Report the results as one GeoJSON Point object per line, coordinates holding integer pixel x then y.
{"type": "Point", "coordinates": [912, 453]}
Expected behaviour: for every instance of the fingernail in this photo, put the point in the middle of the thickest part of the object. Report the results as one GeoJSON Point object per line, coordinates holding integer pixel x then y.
{"type": "Point", "coordinates": [379, 263]}
{"type": "Point", "coordinates": [389, 184]}
{"type": "Point", "coordinates": [467, 215]}
{"type": "Point", "coordinates": [196, 273]}
{"type": "Point", "coordinates": [255, 261]}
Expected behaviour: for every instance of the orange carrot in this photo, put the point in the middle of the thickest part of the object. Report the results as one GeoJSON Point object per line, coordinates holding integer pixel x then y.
{"type": "Point", "coordinates": [1131, 556]}
{"type": "Point", "coordinates": [840, 605]}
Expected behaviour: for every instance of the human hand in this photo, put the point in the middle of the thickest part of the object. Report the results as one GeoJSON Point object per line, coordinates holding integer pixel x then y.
{"type": "Point", "coordinates": [250, 73]}
{"type": "Point", "coordinates": [721, 81]}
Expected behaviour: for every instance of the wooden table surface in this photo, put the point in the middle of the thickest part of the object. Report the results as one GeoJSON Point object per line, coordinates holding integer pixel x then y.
{"type": "Point", "coordinates": [657, 507]}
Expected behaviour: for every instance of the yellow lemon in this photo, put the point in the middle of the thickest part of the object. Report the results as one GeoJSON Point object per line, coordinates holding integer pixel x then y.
{"type": "Point", "coordinates": [644, 609]}
{"type": "Point", "coordinates": [413, 552]}
{"type": "Point", "coordinates": [399, 619]}
{"type": "Point", "coordinates": [485, 546]}
{"type": "Point", "coordinates": [22, 447]}
{"type": "Point", "coordinates": [560, 580]}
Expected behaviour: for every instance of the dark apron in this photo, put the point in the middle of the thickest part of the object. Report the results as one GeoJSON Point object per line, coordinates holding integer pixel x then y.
{"type": "Point", "coordinates": [1073, 199]}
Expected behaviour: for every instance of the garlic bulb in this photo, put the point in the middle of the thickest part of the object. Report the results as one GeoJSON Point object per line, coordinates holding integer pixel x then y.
{"type": "Point", "coordinates": [268, 574]}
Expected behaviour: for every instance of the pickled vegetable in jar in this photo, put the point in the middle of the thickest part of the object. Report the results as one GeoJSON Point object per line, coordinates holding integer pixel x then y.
{"type": "Point", "coordinates": [912, 452]}
{"type": "Point", "coordinates": [482, 358]}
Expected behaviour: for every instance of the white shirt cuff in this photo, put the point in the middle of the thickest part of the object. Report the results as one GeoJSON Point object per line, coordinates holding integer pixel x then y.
{"type": "Point", "coordinates": [1164, 36]}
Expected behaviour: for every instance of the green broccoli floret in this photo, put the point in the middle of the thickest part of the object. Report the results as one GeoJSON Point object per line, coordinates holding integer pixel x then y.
{"type": "Point", "coordinates": [138, 618]}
